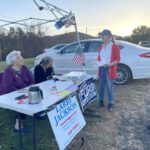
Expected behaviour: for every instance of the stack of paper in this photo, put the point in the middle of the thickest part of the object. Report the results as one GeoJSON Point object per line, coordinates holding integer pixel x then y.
{"type": "Point", "coordinates": [75, 75]}
{"type": "Point", "coordinates": [60, 85]}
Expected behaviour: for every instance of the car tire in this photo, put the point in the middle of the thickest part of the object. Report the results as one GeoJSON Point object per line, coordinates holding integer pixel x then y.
{"type": "Point", "coordinates": [124, 75]}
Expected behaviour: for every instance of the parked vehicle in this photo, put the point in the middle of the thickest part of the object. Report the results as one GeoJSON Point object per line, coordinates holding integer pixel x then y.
{"type": "Point", "coordinates": [144, 43]}
{"type": "Point", "coordinates": [134, 64]}
{"type": "Point", "coordinates": [49, 52]}
{"type": "Point", "coordinates": [54, 48]}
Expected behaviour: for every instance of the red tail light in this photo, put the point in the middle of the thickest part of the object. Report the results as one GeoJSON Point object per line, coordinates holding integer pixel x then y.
{"type": "Point", "coordinates": [145, 55]}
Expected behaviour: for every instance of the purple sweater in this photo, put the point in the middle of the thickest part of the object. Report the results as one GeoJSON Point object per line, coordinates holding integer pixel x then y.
{"type": "Point", "coordinates": [11, 81]}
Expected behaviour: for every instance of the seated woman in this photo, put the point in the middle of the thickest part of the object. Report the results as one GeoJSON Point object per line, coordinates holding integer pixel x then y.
{"type": "Point", "coordinates": [16, 76]}
{"type": "Point", "coordinates": [44, 70]}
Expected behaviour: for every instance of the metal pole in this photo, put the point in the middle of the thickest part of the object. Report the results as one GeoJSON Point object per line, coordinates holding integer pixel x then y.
{"type": "Point", "coordinates": [33, 133]}
{"type": "Point", "coordinates": [0, 51]}
{"type": "Point", "coordinates": [86, 30]}
{"type": "Point", "coordinates": [55, 7]}
{"type": "Point", "coordinates": [20, 133]}
{"type": "Point", "coordinates": [78, 38]}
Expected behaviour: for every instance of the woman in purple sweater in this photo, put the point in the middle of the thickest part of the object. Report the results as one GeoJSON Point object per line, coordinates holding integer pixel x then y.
{"type": "Point", "coordinates": [16, 76]}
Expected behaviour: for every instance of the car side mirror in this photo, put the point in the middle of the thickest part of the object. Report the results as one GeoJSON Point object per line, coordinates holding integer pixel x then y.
{"type": "Point", "coordinates": [60, 52]}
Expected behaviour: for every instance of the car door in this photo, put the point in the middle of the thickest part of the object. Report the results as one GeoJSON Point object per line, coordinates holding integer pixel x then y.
{"type": "Point", "coordinates": [91, 54]}
{"type": "Point", "coordinates": [63, 61]}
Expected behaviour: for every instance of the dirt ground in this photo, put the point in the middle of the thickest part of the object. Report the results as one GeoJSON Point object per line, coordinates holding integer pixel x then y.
{"type": "Point", "coordinates": [126, 127]}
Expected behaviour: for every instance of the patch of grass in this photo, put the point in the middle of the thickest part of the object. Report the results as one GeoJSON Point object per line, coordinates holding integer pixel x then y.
{"type": "Point", "coordinates": [9, 139]}
{"type": "Point", "coordinates": [29, 62]}
{"type": "Point", "coordinates": [45, 137]}
{"type": "Point", "coordinates": [2, 66]}
{"type": "Point", "coordinates": [119, 131]}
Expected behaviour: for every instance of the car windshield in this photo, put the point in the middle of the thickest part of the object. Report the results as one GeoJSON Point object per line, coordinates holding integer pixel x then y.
{"type": "Point", "coordinates": [59, 47]}
{"type": "Point", "coordinates": [73, 48]}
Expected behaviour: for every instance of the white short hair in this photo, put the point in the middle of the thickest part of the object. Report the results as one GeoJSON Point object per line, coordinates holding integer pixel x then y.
{"type": "Point", "coordinates": [11, 57]}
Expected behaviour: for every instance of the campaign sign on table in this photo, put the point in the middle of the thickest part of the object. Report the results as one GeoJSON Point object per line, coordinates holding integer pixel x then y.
{"type": "Point", "coordinates": [87, 93]}
{"type": "Point", "coordinates": [66, 120]}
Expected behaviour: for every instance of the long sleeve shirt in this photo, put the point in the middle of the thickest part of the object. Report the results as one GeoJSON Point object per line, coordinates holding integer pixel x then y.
{"type": "Point", "coordinates": [40, 75]}
{"type": "Point", "coordinates": [13, 80]}
{"type": "Point", "coordinates": [115, 56]}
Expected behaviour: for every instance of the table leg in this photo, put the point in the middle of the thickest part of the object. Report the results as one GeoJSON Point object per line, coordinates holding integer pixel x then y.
{"type": "Point", "coordinates": [33, 133]}
{"type": "Point", "coordinates": [20, 133]}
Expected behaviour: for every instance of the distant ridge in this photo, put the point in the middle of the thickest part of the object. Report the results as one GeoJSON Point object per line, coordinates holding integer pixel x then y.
{"type": "Point", "coordinates": [50, 41]}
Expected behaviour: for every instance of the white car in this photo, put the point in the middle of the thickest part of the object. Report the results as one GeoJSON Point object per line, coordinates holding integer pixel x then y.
{"type": "Point", "coordinates": [54, 48]}
{"type": "Point", "coordinates": [48, 51]}
{"type": "Point", "coordinates": [134, 63]}
{"type": "Point", "coordinates": [144, 43]}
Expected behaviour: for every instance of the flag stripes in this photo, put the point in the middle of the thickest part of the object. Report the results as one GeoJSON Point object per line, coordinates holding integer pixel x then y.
{"type": "Point", "coordinates": [79, 58]}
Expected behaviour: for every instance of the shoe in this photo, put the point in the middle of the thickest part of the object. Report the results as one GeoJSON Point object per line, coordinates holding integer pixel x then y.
{"type": "Point", "coordinates": [23, 130]}
{"type": "Point", "coordinates": [101, 104]}
{"type": "Point", "coordinates": [110, 107]}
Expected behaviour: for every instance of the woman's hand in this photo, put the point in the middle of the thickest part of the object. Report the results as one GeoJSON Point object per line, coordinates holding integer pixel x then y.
{"type": "Point", "coordinates": [111, 64]}
{"type": "Point", "coordinates": [108, 65]}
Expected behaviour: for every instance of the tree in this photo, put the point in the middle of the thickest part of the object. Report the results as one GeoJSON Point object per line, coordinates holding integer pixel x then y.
{"type": "Point", "coordinates": [141, 33]}
{"type": "Point", "coordinates": [27, 40]}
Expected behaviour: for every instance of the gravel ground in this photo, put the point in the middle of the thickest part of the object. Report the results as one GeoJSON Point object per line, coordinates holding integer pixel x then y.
{"type": "Point", "coordinates": [126, 127]}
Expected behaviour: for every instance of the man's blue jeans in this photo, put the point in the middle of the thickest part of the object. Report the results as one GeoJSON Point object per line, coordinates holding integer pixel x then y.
{"type": "Point", "coordinates": [105, 81]}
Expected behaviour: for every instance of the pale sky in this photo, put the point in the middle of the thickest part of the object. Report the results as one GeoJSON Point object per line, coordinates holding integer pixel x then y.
{"type": "Point", "coordinates": [120, 16]}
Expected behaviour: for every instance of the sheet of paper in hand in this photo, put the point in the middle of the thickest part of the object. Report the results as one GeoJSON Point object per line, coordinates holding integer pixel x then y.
{"type": "Point", "coordinates": [97, 64]}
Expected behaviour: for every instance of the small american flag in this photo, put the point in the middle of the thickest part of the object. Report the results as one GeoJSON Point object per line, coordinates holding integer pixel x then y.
{"type": "Point", "coordinates": [70, 21]}
{"type": "Point", "coordinates": [79, 58]}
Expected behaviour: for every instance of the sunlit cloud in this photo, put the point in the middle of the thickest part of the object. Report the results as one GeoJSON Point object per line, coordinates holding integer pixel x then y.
{"type": "Point", "coordinates": [126, 27]}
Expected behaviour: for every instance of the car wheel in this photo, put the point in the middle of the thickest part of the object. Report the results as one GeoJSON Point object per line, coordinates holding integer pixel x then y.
{"type": "Point", "coordinates": [124, 75]}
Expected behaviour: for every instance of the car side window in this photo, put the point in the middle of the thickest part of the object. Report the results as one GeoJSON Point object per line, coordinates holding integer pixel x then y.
{"type": "Point", "coordinates": [59, 47]}
{"type": "Point", "coordinates": [94, 46]}
{"type": "Point", "coordinates": [73, 48]}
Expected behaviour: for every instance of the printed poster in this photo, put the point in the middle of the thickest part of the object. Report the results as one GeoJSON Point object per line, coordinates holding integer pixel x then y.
{"type": "Point", "coordinates": [67, 121]}
{"type": "Point", "coordinates": [87, 93]}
